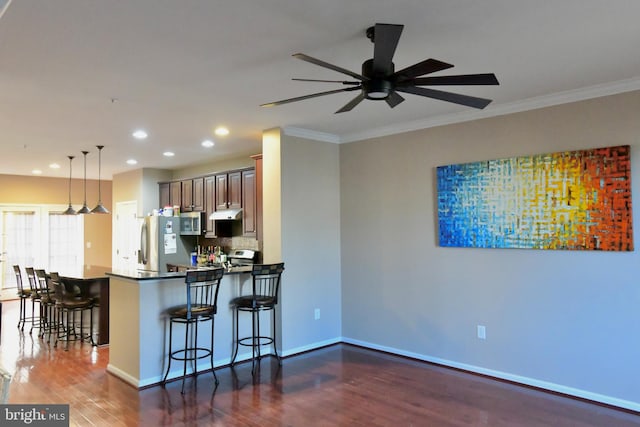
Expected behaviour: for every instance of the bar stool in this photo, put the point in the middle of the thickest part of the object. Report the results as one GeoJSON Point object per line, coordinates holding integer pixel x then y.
{"type": "Point", "coordinates": [264, 297]}
{"type": "Point", "coordinates": [202, 299]}
{"type": "Point", "coordinates": [35, 298]}
{"type": "Point", "coordinates": [47, 303]}
{"type": "Point", "coordinates": [67, 304]}
{"type": "Point", "coordinates": [23, 294]}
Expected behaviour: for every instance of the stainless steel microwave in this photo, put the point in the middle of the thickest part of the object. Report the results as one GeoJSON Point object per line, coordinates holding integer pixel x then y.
{"type": "Point", "coordinates": [191, 223]}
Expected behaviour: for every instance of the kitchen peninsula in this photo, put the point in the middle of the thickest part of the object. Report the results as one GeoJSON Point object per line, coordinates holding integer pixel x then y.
{"type": "Point", "coordinates": [138, 335]}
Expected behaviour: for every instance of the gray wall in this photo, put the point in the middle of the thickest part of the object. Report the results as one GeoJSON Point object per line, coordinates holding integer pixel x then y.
{"type": "Point", "coordinates": [563, 320]}
{"type": "Point", "coordinates": [310, 201]}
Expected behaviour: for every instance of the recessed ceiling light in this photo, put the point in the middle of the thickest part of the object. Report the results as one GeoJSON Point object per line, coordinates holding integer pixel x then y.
{"type": "Point", "coordinates": [132, 162]}
{"type": "Point", "coordinates": [208, 143]}
{"type": "Point", "coordinates": [168, 154]}
{"type": "Point", "coordinates": [221, 131]}
{"type": "Point", "coordinates": [140, 134]}
{"type": "Point", "coordinates": [36, 172]}
{"type": "Point", "coordinates": [54, 166]}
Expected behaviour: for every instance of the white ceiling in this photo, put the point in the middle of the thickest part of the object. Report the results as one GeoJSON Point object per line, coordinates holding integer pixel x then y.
{"type": "Point", "coordinates": [180, 68]}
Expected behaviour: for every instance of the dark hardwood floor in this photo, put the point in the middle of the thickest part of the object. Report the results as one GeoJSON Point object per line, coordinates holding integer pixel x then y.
{"type": "Point", "coordinates": [341, 385]}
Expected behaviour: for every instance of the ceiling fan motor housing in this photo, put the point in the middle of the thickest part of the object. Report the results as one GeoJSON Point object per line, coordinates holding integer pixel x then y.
{"type": "Point", "coordinates": [379, 86]}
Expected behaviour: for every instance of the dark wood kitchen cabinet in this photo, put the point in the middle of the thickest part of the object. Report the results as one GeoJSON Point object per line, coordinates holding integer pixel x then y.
{"type": "Point", "coordinates": [221, 191]}
{"type": "Point", "coordinates": [175, 190]}
{"type": "Point", "coordinates": [187, 196]}
{"type": "Point", "coordinates": [229, 191]}
{"type": "Point", "coordinates": [165, 194]}
{"type": "Point", "coordinates": [235, 190]}
{"type": "Point", "coordinates": [249, 214]}
{"type": "Point", "coordinates": [258, 222]}
{"type": "Point", "coordinates": [192, 195]}
{"type": "Point", "coordinates": [209, 205]}
{"type": "Point", "coordinates": [198, 194]}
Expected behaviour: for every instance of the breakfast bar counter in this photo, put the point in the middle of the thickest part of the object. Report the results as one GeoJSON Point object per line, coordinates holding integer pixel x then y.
{"type": "Point", "coordinates": [138, 335]}
{"type": "Point", "coordinates": [94, 283]}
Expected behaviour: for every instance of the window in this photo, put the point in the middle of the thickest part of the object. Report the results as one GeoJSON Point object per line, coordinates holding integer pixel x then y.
{"type": "Point", "coordinates": [18, 238]}
{"type": "Point", "coordinates": [65, 244]}
{"type": "Point", "coordinates": [39, 236]}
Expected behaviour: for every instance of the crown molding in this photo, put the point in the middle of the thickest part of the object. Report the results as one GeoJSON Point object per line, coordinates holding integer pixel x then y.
{"type": "Point", "coordinates": [499, 110]}
{"type": "Point", "coordinates": [311, 134]}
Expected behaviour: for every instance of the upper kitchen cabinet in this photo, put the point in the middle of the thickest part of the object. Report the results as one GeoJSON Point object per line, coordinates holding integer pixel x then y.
{"type": "Point", "coordinates": [258, 221]}
{"type": "Point", "coordinates": [235, 190]}
{"type": "Point", "coordinates": [192, 199]}
{"type": "Point", "coordinates": [165, 194]}
{"type": "Point", "coordinates": [175, 191]}
{"type": "Point", "coordinates": [188, 194]}
{"type": "Point", "coordinates": [249, 213]}
{"type": "Point", "coordinates": [209, 205]}
{"type": "Point", "coordinates": [228, 191]}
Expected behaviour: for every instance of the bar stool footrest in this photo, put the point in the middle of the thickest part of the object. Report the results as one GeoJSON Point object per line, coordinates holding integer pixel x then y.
{"type": "Point", "coordinates": [200, 353]}
{"type": "Point", "coordinates": [255, 341]}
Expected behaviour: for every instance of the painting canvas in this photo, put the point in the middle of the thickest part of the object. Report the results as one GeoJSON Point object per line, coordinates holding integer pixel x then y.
{"type": "Point", "coordinates": [578, 200]}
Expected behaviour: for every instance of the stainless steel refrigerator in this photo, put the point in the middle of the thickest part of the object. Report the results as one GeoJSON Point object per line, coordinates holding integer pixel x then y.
{"type": "Point", "coordinates": [162, 244]}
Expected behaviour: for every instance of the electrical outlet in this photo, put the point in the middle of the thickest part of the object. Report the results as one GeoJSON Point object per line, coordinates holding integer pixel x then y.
{"type": "Point", "coordinates": [316, 314]}
{"type": "Point", "coordinates": [482, 332]}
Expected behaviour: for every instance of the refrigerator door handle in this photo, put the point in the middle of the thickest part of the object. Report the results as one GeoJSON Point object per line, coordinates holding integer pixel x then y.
{"type": "Point", "coordinates": [143, 253]}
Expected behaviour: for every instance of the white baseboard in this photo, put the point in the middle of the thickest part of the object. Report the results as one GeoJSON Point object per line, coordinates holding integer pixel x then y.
{"type": "Point", "coordinates": [313, 346]}
{"type": "Point", "coordinates": [202, 365]}
{"type": "Point", "coordinates": [122, 375]}
{"type": "Point", "coordinates": [545, 385]}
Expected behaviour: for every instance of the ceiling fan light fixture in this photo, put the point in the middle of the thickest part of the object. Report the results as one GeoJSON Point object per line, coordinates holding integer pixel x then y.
{"type": "Point", "coordinates": [377, 95]}
{"type": "Point", "coordinates": [377, 89]}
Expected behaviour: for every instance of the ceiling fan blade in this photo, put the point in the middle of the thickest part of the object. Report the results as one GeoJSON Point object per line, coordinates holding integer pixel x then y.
{"type": "Point", "coordinates": [327, 81]}
{"type": "Point", "coordinates": [385, 39]}
{"type": "Point", "coordinates": [420, 69]}
{"type": "Point", "coordinates": [349, 106]}
{"type": "Point", "coordinates": [469, 101]}
{"type": "Point", "coordinates": [313, 95]}
{"type": "Point", "coordinates": [315, 61]}
{"type": "Point", "coordinates": [394, 99]}
{"type": "Point", "coordinates": [463, 79]}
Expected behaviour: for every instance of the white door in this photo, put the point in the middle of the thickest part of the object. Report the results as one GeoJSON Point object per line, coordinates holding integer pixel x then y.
{"type": "Point", "coordinates": [127, 232]}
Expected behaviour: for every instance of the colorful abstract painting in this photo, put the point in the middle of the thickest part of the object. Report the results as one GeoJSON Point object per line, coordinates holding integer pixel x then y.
{"type": "Point", "coordinates": [577, 200]}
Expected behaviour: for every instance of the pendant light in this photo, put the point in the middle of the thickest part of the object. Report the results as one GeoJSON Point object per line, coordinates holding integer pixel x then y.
{"type": "Point", "coordinates": [70, 210]}
{"type": "Point", "coordinates": [85, 209]}
{"type": "Point", "coordinates": [99, 209]}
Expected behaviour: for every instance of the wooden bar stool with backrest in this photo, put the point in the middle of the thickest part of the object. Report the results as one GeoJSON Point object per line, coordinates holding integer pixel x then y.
{"type": "Point", "coordinates": [264, 297]}
{"type": "Point", "coordinates": [202, 304]}
{"type": "Point", "coordinates": [23, 294]}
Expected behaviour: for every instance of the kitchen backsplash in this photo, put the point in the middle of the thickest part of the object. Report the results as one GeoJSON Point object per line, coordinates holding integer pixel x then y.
{"type": "Point", "coordinates": [229, 243]}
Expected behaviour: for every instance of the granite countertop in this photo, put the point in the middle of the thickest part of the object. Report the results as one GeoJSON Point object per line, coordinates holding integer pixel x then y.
{"type": "Point", "coordinates": [154, 275]}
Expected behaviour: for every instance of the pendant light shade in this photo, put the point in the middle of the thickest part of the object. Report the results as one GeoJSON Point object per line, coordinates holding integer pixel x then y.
{"type": "Point", "coordinates": [70, 210]}
{"type": "Point", "coordinates": [85, 209]}
{"type": "Point", "coordinates": [99, 209]}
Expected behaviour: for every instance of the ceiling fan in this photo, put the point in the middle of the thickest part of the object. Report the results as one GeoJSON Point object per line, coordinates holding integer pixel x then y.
{"type": "Point", "coordinates": [379, 80]}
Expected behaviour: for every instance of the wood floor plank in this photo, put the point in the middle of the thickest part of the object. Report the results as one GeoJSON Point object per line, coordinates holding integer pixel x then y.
{"type": "Point", "coordinates": [341, 385]}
